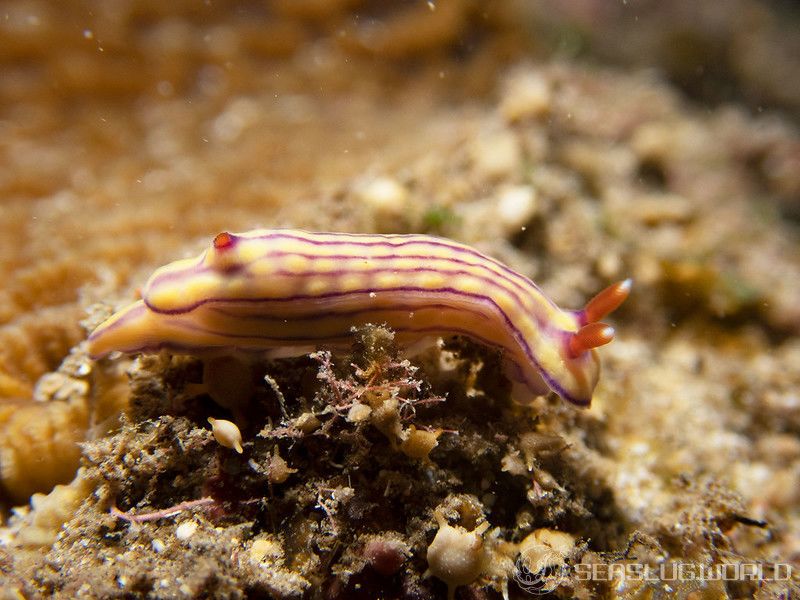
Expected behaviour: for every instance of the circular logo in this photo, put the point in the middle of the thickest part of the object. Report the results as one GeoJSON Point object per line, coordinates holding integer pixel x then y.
{"type": "Point", "coordinates": [540, 570]}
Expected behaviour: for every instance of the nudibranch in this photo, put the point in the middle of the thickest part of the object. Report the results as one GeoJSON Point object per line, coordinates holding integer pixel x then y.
{"type": "Point", "coordinates": [285, 292]}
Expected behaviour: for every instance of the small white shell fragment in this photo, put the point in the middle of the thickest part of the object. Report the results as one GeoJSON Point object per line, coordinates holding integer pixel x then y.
{"type": "Point", "coordinates": [358, 412]}
{"type": "Point", "coordinates": [226, 433]}
{"type": "Point", "coordinates": [185, 530]}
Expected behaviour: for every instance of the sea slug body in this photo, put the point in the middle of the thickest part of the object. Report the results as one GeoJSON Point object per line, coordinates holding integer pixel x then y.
{"type": "Point", "coordinates": [285, 292]}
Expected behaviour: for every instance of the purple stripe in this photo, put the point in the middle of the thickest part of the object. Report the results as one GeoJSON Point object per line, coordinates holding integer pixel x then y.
{"type": "Point", "coordinates": [554, 385]}
{"type": "Point", "coordinates": [424, 257]}
{"type": "Point", "coordinates": [515, 332]}
{"type": "Point", "coordinates": [199, 268]}
{"type": "Point", "coordinates": [551, 382]}
{"type": "Point", "coordinates": [283, 273]}
{"type": "Point", "coordinates": [339, 273]}
{"type": "Point", "coordinates": [346, 336]}
{"type": "Point", "coordinates": [513, 277]}
{"type": "Point", "coordinates": [347, 313]}
{"type": "Point", "coordinates": [477, 297]}
{"type": "Point", "coordinates": [417, 239]}
{"type": "Point", "coordinates": [457, 248]}
{"type": "Point", "coordinates": [486, 280]}
{"type": "Point", "coordinates": [100, 330]}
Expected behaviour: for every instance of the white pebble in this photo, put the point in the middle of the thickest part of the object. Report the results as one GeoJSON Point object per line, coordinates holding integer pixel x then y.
{"type": "Point", "coordinates": [528, 95]}
{"type": "Point", "coordinates": [185, 530]}
{"type": "Point", "coordinates": [516, 205]}
{"type": "Point", "coordinates": [496, 154]}
{"type": "Point", "coordinates": [384, 195]}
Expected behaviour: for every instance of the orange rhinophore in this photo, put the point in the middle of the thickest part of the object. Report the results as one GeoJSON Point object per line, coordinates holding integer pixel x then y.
{"type": "Point", "coordinates": [590, 336]}
{"type": "Point", "coordinates": [592, 333]}
{"type": "Point", "coordinates": [606, 301]}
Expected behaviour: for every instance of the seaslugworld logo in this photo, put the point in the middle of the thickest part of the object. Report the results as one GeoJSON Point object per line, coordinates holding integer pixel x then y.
{"type": "Point", "coordinates": [542, 572]}
{"type": "Point", "coordinates": [681, 571]}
